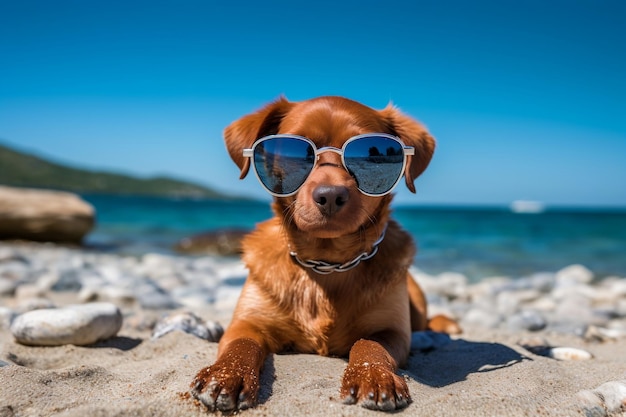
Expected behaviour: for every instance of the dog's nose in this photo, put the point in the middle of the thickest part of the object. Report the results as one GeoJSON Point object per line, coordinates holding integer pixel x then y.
{"type": "Point", "coordinates": [330, 198]}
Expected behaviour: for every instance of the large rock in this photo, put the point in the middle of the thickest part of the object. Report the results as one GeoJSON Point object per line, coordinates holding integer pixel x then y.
{"type": "Point", "coordinates": [82, 324]}
{"type": "Point", "coordinates": [42, 215]}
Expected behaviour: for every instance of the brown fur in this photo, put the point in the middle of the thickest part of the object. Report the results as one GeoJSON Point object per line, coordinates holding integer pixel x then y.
{"type": "Point", "coordinates": [366, 313]}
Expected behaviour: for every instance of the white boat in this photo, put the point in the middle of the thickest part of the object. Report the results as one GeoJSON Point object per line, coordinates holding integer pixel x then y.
{"type": "Point", "coordinates": [525, 206]}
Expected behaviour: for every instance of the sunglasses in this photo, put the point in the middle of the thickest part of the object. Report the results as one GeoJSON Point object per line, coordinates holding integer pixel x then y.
{"type": "Point", "coordinates": [282, 163]}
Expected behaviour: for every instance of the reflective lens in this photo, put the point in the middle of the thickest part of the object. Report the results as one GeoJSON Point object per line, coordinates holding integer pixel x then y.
{"type": "Point", "coordinates": [375, 162]}
{"type": "Point", "coordinates": [283, 163]}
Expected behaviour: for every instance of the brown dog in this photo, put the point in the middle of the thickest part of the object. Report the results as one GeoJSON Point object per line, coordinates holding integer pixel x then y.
{"type": "Point", "coordinates": [329, 273]}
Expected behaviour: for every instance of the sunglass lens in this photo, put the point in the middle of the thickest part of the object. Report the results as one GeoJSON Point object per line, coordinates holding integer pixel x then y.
{"type": "Point", "coordinates": [283, 163]}
{"type": "Point", "coordinates": [376, 163]}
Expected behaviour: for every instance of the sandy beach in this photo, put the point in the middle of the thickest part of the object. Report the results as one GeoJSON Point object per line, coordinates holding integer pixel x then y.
{"type": "Point", "coordinates": [484, 371]}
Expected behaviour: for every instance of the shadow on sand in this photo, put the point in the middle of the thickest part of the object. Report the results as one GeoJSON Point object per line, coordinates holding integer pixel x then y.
{"type": "Point", "coordinates": [453, 361]}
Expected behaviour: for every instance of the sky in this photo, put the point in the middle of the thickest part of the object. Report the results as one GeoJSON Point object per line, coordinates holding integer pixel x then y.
{"type": "Point", "coordinates": [527, 100]}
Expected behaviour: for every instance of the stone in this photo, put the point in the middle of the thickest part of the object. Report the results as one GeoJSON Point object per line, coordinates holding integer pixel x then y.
{"type": "Point", "coordinates": [574, 274]}
{"type": "Point", "coordinates": [44, 215]}
{"type": "Point", "coordinates": [560, 353]}
{"type": "Point", "coordinates": [6, 317]}
{"type": "Point", "coordinates": [157, 300]}
{"type": "Point", "coordinates": [82, 324]}
{"type": "Point", "coordinates": [188, 323]}
{"type": "Point", "coordinates": [225, 242]}
{"type": "Point", "coordinates": [34, 303]}
{"type": "Point", "coordinates": [7, 286]}
{"type": "Point", "coordinates": [526, 320]}
{"type": "Point", "coordinates": [481, 318]}
{"type": "Point", "coordinates": [609, 397]}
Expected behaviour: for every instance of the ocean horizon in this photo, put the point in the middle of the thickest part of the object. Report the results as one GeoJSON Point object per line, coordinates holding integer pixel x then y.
{"type": "Point", "coordinates": [477, 241]}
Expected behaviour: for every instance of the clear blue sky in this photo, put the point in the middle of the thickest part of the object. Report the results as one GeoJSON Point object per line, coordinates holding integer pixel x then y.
{"type": "Point", "coordinates": [526, 98]}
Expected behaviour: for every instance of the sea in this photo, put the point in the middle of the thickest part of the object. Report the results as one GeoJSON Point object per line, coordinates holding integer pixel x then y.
{"type": "Point", "coordinates": [479, 242]}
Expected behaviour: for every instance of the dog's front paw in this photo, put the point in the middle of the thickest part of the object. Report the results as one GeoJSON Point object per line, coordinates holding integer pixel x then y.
{"type": "Point", "coordinates": [226, 387]}
{"type": "Point", "coordinates": [374, 386]}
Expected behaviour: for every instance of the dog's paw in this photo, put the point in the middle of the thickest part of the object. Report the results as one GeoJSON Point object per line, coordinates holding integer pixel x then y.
{"type": "Point", "coordinates": [225, 387]}
{"type": "Point", "coordinates": [374, 386]}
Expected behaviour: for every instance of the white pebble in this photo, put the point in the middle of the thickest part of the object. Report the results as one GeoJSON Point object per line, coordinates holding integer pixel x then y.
{"type": "Point", "coordinates": [568, 354]}
{"type": "Point", "coordinates": [614, 395]}
{"type": "Point", "coordinates": [607, 398]}
{"type": "Point", "coordinates": [540, 346]}
{"type": "Point", "coordinates": [574, 274]}
{"type": "Point", "coordinates": [77, 325]}
{"type": "Point", "coordinates": [482, 318]}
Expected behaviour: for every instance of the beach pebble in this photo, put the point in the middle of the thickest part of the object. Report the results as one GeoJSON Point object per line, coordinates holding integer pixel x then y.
{"type": "Point", "coordinates": [7, 286]}
{"type": "Point", "coordinates": [558, 353]}
{"type": "Point", "coordinates": [188, 323]}
{"type": "Point", "coordinates": [482, 318]}
{"type": "Point", "coordinates": [157, 300]}
{"type": "Point", "coordinates": [6, 317]}
{"type": "Point", "coordinates": [609, 397]}
{"type": "Point", "coordinates": [35, 303]}
{"type": "Point", "coordinates": [526, 320]}
{"type": "Point", "coordinates": [602, 334]}
{"type": "Point", "coordinates": [574, 274]}
{"type": "Point", "coordinates": [77, 324]}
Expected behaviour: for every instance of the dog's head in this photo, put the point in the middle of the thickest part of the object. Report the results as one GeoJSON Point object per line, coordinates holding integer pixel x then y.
{"type": "Point", "coordinates": [329, 203]}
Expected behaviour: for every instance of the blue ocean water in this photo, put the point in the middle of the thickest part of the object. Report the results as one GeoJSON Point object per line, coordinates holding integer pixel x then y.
{"type": "Point", "coordinates": [478, 242]}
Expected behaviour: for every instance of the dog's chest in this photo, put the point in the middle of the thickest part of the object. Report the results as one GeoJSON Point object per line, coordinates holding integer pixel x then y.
{"type": "Point", "coordinates": [326, 317]}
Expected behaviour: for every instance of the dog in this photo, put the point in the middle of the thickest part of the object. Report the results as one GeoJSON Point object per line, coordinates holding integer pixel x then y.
{"type": "Point", "coordinates": [328, 274]}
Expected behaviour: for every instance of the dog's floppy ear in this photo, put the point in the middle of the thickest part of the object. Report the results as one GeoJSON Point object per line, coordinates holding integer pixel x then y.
{"type": "Point", "coordinates": [412, 134]}
{"type": "Point", "coordinates": [243, 132]}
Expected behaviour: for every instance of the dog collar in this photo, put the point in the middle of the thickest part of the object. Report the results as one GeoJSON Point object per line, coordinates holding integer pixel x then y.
{"type": "Point", "coordinates": [323, 267]}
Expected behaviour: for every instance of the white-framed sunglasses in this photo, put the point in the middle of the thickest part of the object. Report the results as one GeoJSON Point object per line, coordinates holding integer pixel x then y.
{"type": "Point", "coordinates": [283, 162]}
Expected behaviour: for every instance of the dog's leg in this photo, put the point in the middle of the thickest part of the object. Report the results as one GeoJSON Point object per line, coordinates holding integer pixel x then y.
{"type": "Point", "coordinates": [370, 377]}
{"type": "Point", "coordinates": [417, 305]}
{"type": "Point", "coordinates": [419, 313]}
{"type": "Point", "coordinates": [232, 382]}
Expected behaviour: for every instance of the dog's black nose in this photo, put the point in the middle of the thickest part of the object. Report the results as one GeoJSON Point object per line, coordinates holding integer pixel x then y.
{"type": "Point", "coordinates": [330, 198]}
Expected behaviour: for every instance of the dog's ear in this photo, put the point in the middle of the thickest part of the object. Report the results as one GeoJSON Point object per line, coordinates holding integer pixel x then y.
{"type": "Point", "coordinates": [412, 134]}
{"type": "Point", "coordinates": [242, 133]}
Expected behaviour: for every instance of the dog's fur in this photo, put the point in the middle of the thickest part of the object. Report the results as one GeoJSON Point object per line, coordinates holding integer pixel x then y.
{"type": "Point", "coordinates": [366, 313]}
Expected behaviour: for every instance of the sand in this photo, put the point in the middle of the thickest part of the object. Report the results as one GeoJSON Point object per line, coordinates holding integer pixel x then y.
{"type": "Point", "coordinates": [481, 372]}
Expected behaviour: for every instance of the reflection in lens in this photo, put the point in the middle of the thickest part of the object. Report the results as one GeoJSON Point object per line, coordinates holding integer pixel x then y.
{"type": "Point", "coordinates": [375, 162]}
{"type": "Point", "coordinates": [283, 163]}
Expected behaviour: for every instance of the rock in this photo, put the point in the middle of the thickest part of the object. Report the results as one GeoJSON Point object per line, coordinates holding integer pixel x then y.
{"type": "Point", "coordinates": [609, 397]}
{"type": "Point", "coordinates": [43, 215]}
{"type": "Point", "coordinates": [34, 303]}
{"type": "Point", "coordinates": [157, 300]}
{"type": "Point", "coordinates": [7, 286]}
{"type": "Point", "coordinates": [574, 274]}
{"type": "Point", "coordinates": [481, 318]}
{"type": "Point", "coordinates": [526, 320]}
{"type": "Point", "coordinates": [560, 353]}
{"type": "Point", "coordinates": [451, 285]}
{"type": "Point", "coordinates": [591, 404]}
{"type": "Point", "coordinates": [77, 325]}
{"type": "Point", "coordinates": [6, 317]}
{"type": "Point", "coordinates": [188, 323]}
{"type": "Point", "coordinates": [602, 334]}
{"type": "Point", "coordinates": [509, 302]}
{"type": "Point", "coordinates": [219, 242]}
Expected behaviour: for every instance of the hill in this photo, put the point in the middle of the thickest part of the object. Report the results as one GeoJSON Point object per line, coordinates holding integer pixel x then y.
{"type": "Point", "coordinates": [21, 169]}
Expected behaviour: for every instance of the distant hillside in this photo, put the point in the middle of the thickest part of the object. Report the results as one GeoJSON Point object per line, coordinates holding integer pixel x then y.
{"type": "Point", "coordinates": [20, 169]}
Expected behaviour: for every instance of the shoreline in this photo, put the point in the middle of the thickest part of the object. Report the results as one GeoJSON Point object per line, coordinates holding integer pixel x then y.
{"type": "Point", "coordinates": [496, 367]}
